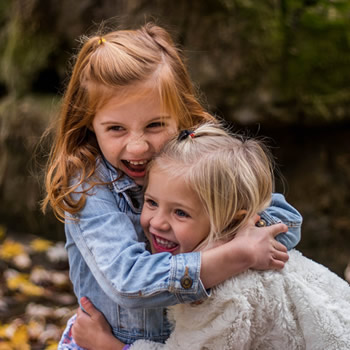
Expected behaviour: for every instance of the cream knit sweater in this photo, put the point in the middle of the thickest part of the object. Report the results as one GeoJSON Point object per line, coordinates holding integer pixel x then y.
{"type": "Point", "coordinates": [303, 306]}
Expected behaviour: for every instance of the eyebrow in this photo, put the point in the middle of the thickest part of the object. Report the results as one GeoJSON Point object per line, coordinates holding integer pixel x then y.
{"type": "Point", "coordinates": [160, 118]}
{"type": "Point", "coordinates": [174, 204]}
{"type": "Point", "coordinates": [185, 207]}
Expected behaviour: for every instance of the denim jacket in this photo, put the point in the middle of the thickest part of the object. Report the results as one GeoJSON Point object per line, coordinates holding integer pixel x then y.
{"type": "Point", "coordinates": [109, 262]}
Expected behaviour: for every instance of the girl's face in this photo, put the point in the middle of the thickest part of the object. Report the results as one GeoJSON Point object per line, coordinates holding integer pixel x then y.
{"type": "Point", "coordinates": [131, 130]}
{"type": "Point", "coordinates": [173, 218]}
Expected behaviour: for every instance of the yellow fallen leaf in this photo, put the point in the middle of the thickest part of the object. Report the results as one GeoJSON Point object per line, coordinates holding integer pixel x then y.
{"type": "Point", "coordinates": [8, 330]}
{"type": "Point", "coordinates": [21, 282]}
{"type": "Point", "coordinates": [51, 346]}
{"type": "Point", "coordinates": [6, 345]}
{"type": "Point", "coordinates": [40, 245]}
{"type": "Point", "coordinates": [3, 331]}
{"type": "Point", "coordinates": [10, 249]}
{"type": "Point", "coordinates": [22, 347]}
{"type": "Point", "coordinates": [35, 328]}
{"type": "Point", "coordinates": [20, 338]}
{"type": "Point", "coordinates": [16, 280]}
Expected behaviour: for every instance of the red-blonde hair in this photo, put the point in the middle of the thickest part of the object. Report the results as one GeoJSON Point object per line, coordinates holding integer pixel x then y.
{"type": "Point", "coordinates": [105, 66]}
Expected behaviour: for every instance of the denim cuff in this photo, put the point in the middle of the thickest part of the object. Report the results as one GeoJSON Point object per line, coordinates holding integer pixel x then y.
{"type": "Point", "coordinates": [185, 280]}
{"type": "Point", "coordinates": [290, 238]}
{"type": "Point", "coordinates": [269, 220]}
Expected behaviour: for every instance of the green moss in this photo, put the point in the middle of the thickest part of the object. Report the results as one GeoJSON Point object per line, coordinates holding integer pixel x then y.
{"type": "Point", "coordinates": [25, 50]}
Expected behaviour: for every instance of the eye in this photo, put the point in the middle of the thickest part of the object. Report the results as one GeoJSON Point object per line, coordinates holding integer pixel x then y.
{"type": "Point", "coordinates": [158, 124]}
{"type": "Point", "coordinates": [115, 128]}
{"type": "Point", "coordinates": [150, 202]}
{"type": "Point", "coordinates": [181, 213]}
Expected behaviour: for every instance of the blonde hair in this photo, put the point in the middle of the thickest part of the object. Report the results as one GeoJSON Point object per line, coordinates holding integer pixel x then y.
{"type": "Point", "coordinates": [232, 175]}
{"type": "Point", "coordinates": [115, 63]}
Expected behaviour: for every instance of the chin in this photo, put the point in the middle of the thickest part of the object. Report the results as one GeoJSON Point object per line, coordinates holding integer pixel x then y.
{"type": "Point", "coordinates": [139, 181]}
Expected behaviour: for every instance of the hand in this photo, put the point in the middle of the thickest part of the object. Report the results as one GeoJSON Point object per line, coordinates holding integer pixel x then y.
{"type": "Point", "coordinates": [265, 251]}
{"type": "Point", "coordinates": [92, 331]}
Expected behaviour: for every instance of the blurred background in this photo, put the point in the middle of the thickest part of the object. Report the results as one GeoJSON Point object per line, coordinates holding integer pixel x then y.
{"type": "Point", "coordinates": [277, 68]}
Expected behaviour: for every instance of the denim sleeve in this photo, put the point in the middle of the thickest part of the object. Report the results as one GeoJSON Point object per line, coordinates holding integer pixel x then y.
{"type": "Point", "coordinates": [280, 211]}
{"type": "Point", "coordinates": [107, 241]}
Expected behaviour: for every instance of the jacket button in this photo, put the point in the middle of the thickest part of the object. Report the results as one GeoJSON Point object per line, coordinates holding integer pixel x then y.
{"type": "Point", "coordinates": [186, 282]}
{"type": "Point", "coordinates": [261, 223]}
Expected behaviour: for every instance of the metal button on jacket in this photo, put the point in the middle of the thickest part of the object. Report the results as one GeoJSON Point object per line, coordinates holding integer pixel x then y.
{"type": "Point", "coordinates": [186, 280]}
{"type": "Point", "coordinates": [261, 223]}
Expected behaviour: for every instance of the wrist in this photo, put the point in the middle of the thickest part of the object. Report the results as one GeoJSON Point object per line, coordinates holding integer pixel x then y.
{"type": "Point", "coordinates": [230, 259]}
{"type": "Point", "coordinates": [109, 342]}
{"type": "Point", "coordinates": [237, 251]}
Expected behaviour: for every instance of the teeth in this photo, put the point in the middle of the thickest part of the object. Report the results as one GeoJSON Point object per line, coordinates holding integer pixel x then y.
{"type": "Point", "coordinates": [165, 243]}
{"type": "Point", "coordinates": [141, 162]}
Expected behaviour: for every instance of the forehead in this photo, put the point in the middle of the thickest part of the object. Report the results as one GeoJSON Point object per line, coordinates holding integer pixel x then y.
{"type": "Point", "coordinates": [171, 188]}
{"type": "Point", "coordinates": [151, 89]}
{"type": "Point", "coordinates": [122, 95]}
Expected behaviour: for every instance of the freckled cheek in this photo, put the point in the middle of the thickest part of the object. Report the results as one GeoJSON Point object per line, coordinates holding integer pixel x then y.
{"type": "Point", "coordinates": [112, 154]}
{"type": "Point", "coordinates": [113, 148]}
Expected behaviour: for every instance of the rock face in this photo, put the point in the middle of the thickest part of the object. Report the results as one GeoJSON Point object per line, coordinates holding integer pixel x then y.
{"type": "Point", "coordinates": [279, 64]}
{"type": "Point", "coordinates": [22, 160]}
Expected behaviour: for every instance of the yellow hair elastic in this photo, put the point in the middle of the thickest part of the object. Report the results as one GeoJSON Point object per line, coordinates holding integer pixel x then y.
{"type": "Point", "coordinates": [101, 40]}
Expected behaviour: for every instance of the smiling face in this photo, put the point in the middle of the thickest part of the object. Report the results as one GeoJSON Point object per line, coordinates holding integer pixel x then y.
{"type": "Point", "coordinates": [173, 218]}
{"type": "Point", "coordinates": [131, 131]}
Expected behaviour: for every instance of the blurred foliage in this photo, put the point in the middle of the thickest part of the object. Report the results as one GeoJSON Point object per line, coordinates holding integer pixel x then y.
{"type": "Point", "coordinates": [286, 59]}
{"type": "Point", "coordinates": [26, 46]}
{"type": "Point", "coordinates": [315, 58]}
{"type": "Point", "coordinates": [22, 160]}
{"type": "Point", "coordinates": [36, 294]}
{"type": "Point", "coordinates": [293, 60]}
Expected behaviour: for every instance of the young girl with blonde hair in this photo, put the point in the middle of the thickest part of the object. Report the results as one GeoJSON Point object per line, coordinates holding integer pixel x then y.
{"type": "Point", "coordinates": [129, 93]}
{"type": "Point", "coordinates": [216, 182]}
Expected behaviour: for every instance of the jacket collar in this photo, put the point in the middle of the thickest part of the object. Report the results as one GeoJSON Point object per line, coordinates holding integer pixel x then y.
{"type": "Point", "coordinates": [124, 182]}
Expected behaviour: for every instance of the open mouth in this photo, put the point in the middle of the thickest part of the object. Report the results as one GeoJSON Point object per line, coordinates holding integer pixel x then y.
{"type": "Point", "coordinates": [135, 168]}
{"type": "Point", "coordinates": [163, 245]}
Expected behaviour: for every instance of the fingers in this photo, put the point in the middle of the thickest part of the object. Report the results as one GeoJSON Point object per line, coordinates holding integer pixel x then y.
{"type": "Point", "coordinates": [277, 265]}
{"type": "Point", "coordinates": [80, 312]}
{"type": "Point", "coordinates": [82, 317]}
{"type": "Point", "coordinates": [279, 246]}
{"type": "Point", "coordinates": [281, 256]}
{"type": "Point", "coordinates": [79, 327]}
{"type": "Point", "coordinates": [276, 229]}
{"type": "Point", "coordinates": [89, 307]}
{"type": "Point", "coordinates": [279, 228]}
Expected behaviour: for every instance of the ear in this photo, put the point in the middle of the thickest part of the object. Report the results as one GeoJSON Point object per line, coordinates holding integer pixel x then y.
{"type": "Point", "coordinates": [240, 215]}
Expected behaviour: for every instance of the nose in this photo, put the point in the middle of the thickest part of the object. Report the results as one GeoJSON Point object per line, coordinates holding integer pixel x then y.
{"type": "Point", "coordinates": [159, 222]}
{"type": "Point", "coordinates": [137, 146]}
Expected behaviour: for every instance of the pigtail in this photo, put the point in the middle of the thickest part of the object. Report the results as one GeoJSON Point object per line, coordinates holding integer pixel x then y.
{"type": "Point", "coordinates": [178, 82]}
